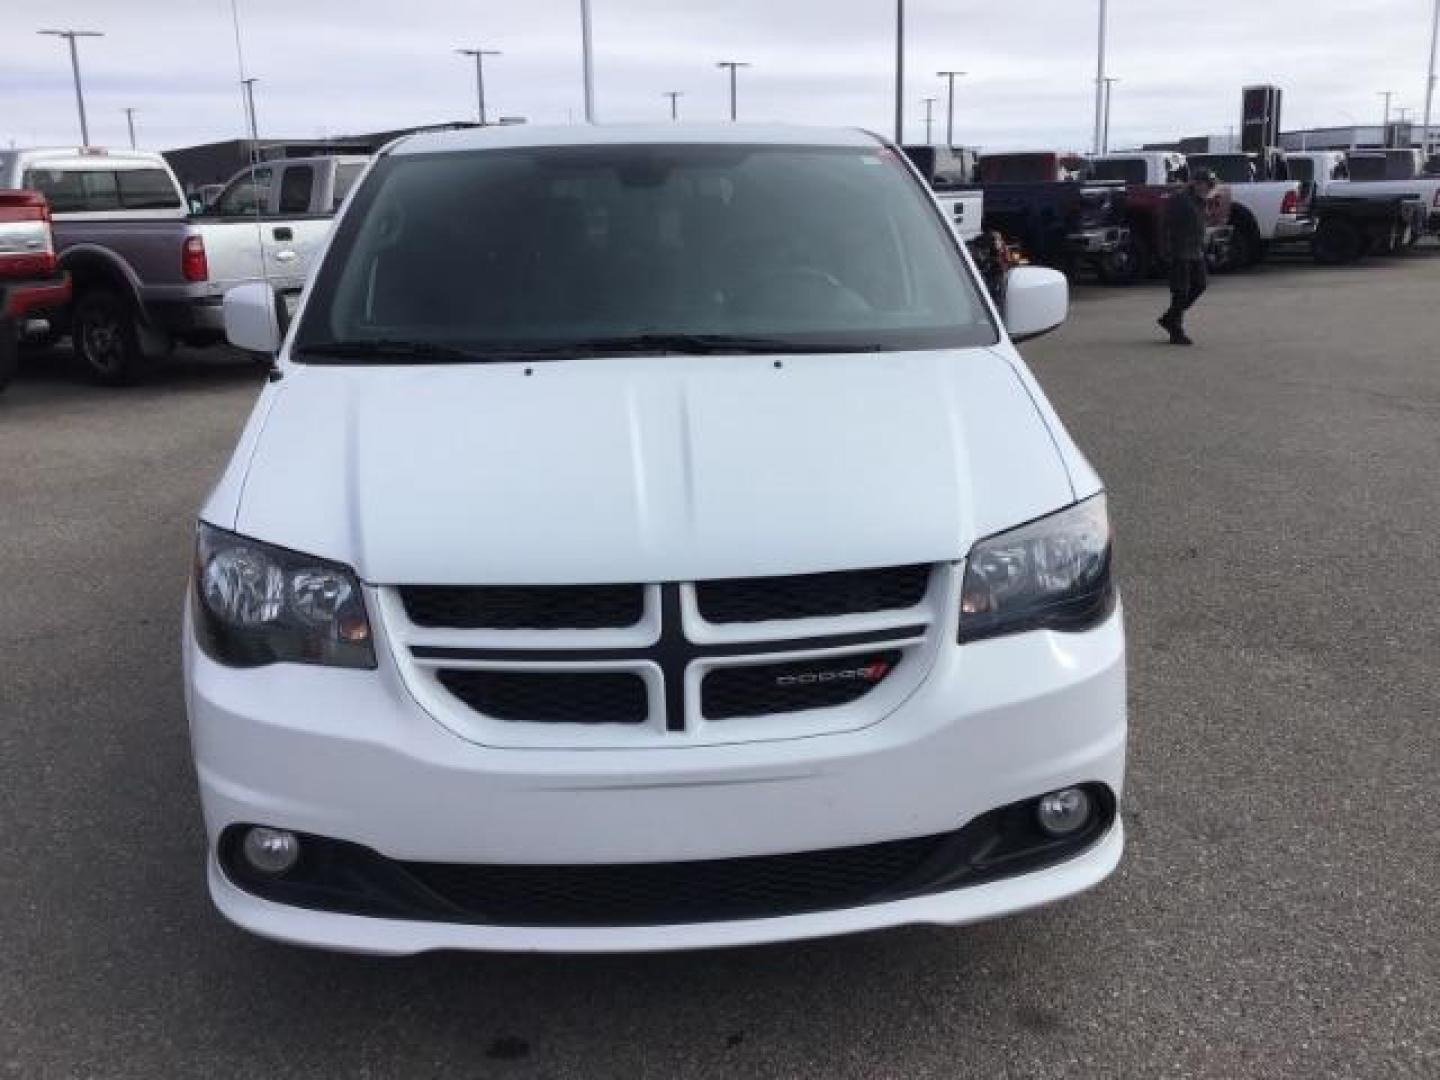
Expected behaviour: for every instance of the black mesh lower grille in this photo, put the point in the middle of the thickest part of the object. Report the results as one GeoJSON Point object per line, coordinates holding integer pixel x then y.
{"type": "Point", "coordinates": [653, 893]}
{"type": "Point", "coordinates": [552, 697]}
{"type": "Point", "coordinates": [524, 607]}
{"type": "Point", "coordinates": [818, 683]}
{"type": "Point", "coordinates": [806, 596]}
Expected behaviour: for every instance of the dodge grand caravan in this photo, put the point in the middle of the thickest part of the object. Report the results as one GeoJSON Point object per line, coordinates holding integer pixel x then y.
{"type": "Point", "coordinates": [650, 539]}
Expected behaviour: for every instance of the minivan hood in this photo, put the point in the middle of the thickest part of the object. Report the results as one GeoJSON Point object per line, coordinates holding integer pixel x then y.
{"type": "Point", "coordinates": [648, 469]}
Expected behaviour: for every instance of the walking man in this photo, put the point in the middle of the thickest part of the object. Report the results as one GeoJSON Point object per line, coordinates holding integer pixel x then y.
{"type": "Point", "coordinates": [1185, 248]}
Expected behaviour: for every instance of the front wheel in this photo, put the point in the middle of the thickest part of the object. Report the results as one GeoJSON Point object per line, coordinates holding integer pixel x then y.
{"type": "Point", "coordinates": [107, 339]}
{"type": "Point", "coordinates": [1128, 263]}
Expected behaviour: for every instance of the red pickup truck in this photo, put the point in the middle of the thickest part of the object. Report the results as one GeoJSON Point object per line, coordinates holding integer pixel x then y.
{"type": "Point", "coordinates": [31, 287]}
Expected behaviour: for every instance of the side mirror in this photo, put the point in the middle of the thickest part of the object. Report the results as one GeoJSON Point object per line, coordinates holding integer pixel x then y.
{"type": "Point", "coordinates": [252, 318]}
{"type": "Point", "coordinates": [1036, 301]}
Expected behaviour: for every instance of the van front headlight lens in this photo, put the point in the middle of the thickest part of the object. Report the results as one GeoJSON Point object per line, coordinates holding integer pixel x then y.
{"type": "Point", "coordinates": [1052, 574]}
{"type": "Point", "coordinates": [257, 604]}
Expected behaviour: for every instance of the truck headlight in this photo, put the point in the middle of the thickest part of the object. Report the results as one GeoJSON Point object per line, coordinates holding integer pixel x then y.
{"type": "Point", "coordinates": [1052, 574]}
{"type": "Point", "coordinates": [256, 604]}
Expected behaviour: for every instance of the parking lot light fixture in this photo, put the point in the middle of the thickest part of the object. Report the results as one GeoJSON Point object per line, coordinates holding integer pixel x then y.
{"type": "Point", "coordinates": [70, 36]}
{"type": "Point", "coordinates": [950, 77]}
{"type": "Point", "coordinates": [733, 66]}
{"type": "Point", "coordinates": [479, 55]}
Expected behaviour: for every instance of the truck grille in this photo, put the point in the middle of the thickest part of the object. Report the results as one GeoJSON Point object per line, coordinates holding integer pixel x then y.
{"type": "Point", "coordinates": [524, 607]}
{"type": "Point", "coordinates": [808, 596]}
{"type": "Point", "coordinates": [820, 683]}
{"type": "Point", "coordinates": [551, 697]}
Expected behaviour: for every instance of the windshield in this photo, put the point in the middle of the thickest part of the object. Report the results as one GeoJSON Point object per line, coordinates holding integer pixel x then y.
{"type": "Point", "coordinates": [1302, 169]}
{"type": "Point", "coordinates": [1228, 168]}
{"type": "Point", "coordinates": [1125, 170]}
{"type": "Point", "coordinates": [544, 247]}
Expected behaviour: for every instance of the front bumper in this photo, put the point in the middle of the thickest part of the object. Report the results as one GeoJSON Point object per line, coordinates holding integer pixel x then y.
{"type": "Point", "coordinates": [1097, 241]}
{"type": "Point", "coordinates": [351, 755]}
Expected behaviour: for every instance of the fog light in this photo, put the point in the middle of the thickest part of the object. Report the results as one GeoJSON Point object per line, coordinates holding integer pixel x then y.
{"type": "Point", "coordinates": [271, 851]}
{"type": "Point", "coordinates": [1064, 812]}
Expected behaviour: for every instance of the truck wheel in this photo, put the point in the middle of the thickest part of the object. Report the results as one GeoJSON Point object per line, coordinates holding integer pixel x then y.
{"type": "Point", "coordinates": [107, 339]}
{"type": "Point", "coordinates": [1127, 264]}
{"type": "Point", "coordinates": [9, 352]}
{"type": "Point", "coordinates": [1336, 242]}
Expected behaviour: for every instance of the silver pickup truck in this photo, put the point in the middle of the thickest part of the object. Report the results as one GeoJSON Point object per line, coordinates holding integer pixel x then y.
{"type": "Point", "coordinates": [148, 271]}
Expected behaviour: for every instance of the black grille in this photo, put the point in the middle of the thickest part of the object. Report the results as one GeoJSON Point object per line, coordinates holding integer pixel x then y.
{"type": "Point", "coordinates": [818, 683]}
{"type": "Point", "coordinates": [552, 697]}
{"type": "Point", "coordinates": [653, 893]}
{"type": "Point", "coordinates": [806, 596]}
{"type": "Point", "coordinates": [524, 607]}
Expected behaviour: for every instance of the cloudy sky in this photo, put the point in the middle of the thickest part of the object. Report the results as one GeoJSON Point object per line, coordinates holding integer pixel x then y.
{"type": "Point", "coordinates": [329, 67]}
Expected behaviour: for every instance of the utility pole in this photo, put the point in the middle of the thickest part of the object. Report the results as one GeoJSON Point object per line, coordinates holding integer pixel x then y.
{"type": "Point", "coordinates": [1385, 124]}
{"type": "Point", "coordinates": [70, 36]}
{"type": "Point", "coordinates": [587, 56]}
{"type": "Point", "coordinates": [899, 72]}
{"type": "Point", "coordinates": [1100, 78]}
{"type": "Point", "coordinates": [130, 123]}
{"type": "Point", "coordinates": [732, 65]}
{"type": "Point", "coordinates": [1430, 78]}
{"type": "Point", "coordinates": [929, 104]}
{"type": "Point", "coordinates": [479, 55]}
{"type": "Point", "coordinates": [674, 96]}
{"type": "Point", "coordinates": [1110, 82]}
{"type": "Point", "coordinates": [950, 77]}
{"type": "Point", "coordinates": [249, 85]}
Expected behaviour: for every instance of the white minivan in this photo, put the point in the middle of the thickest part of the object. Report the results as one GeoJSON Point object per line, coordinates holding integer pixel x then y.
{"type": "Point", "coordinates": [650, 538]}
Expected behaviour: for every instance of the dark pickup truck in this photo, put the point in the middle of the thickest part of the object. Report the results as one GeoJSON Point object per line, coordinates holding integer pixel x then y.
{"type": "Point", "coordinates": [1151, 178]}
{"type": "Point", "coordinates": [1037, 203]}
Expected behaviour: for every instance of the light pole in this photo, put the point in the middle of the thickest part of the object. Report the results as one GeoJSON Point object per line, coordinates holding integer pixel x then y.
{"type": "Point", "coordinates": [1385, 124]}
{"type": "Point", "coordinates": [587, 58]}
{"type": "Point", "coordinates": [249, 85]}
{"type": "Point", "coordinates": [950, 77]}
{"type": "Point", "coordinates": [130, 123]}
{"type": "Point", "coordinates": [479, 55]}
{"type": "Point", "coordinates": [70, 36]}
{"type": "Point", "coordinates": [1110, 81]}
{"type": "Point", "coordinates": [929, 104]}
{"type": "Point", "coordinates": [899, 72]}
{"type": "Point", "coordinates": [1430, 78]}
{"type": "Point", "coordinates": [1100, 78]}
{"type": "Point", "coordinates": [674, 96]}
{"type": "Point", "coordinates": [732, 65]}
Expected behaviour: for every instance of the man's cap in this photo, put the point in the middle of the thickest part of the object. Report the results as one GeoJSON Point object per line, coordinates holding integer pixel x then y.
{"type": "Point", "coordinates": [1205, 177]}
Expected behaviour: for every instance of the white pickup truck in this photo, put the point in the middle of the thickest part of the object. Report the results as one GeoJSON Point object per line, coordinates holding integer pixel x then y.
{"type": "Point", "coordinates": [1263, 211]}
{"type": "Point", "coordinates": [146, 271]}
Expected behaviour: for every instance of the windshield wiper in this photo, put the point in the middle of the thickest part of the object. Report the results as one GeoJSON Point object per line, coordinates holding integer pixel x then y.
{"type": "Point", "coordinates": [391, 348]}
{"type": "Point", "coordinates": [502, 352]}
{"type": "Point", "coordinates": [692, 344]}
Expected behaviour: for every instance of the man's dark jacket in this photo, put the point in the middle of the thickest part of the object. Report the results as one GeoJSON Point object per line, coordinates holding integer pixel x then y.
{"type": "Point", "coordinates": [1185, 225]}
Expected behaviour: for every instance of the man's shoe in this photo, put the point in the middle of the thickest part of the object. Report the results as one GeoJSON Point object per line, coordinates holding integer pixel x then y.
{"type": "Point", "coordinates": [1178, 337]}
{"type": "Point", "coordinates": [1167, 323]}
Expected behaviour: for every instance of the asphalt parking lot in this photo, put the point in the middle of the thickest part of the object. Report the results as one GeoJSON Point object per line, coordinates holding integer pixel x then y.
{"type": "Point", "coordinates": [1276, 915]}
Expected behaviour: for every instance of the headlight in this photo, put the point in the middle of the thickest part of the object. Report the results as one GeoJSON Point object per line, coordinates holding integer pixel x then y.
{"type": "Point", "coordinates": [1052, 574]}
{"type": "Point", "coordinates": [256, 604]}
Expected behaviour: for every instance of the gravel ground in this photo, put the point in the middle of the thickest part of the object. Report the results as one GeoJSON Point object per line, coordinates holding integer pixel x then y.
{"type": "Point", "coordinates": [1275, 916]}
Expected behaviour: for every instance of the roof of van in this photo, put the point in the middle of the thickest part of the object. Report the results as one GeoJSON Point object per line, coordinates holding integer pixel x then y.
{"type": "Point", "coordinates": [503, 136]}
